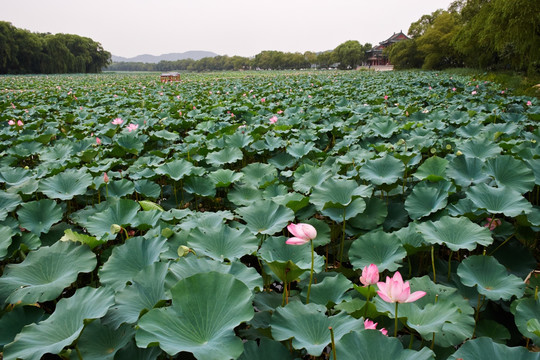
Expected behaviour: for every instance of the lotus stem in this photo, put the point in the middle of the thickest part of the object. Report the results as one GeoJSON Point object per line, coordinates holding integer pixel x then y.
{"type": "Point", "coordinates": [504, 242]}
{"type": "Point", "coordinates": [536, 293]}
{"type": "Point", "coordinates": [449, 265]}
{"type": "Point", "coordinates": [433, 263]}
{"type": "Point", "coordinates": [342, 245]}
{"type": "Point", "coordinates": [333, 342]}
{"type": "Point", "coordinates": [106, 191]}
{"type": "Point", "coordinates": [311, 271]}
{"type": "Point", "coordinates": [396, 321]}
{"type": "Point", "coordinates": [480, 301]}
{"type": "Point", "coordinates": [432, 341]}
{"type": "Point", "coordinates": [367, 300]}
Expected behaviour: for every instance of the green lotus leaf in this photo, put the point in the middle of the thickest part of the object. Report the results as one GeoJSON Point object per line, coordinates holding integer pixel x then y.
{"type": "Point", "coordinates": [91, 241]}
{"type": "Point", "coordinates": [259, 174]}
{"type": "Point", "coordinates": [205, 220]}
{"type": "Point", "coordinates": [238, 140]}
{"type": "Point", "coordinates": [149, 205]}
{"type": "Point", "coordinates": [385, 170]}
{"type": "Point", "coordinates": [118, 188]}
{"type": "Point", "coordinates": [243, 195]}
{"type": "Point", "coordinates": [339, 213]}
{"type": "Point", "coordinates": [229, 155]}
{"type": "Point", "coordinates": [146, 290]}
{"type": "Point", "coordinates": [100, 342]}
{"type": "Point", "coordinates": [199, 321]}
{"type": "Point", "coordinates": [379, 248]}
{"type": "Point", "coordinates": [466, 170]}
{"type": "Point", "coordinates": [132, 352]}
{"type": "Point", "coordinates": [224, 177]}
{"type": "Point", "coordinates": [499, 200]}
{"type": "Point", "coordinates": [427, 198]}
{"type": "Point", "coordinates": [411, 239]}
{"type": "Point", "coordinates": [147, 188]}
{"type": "Point", "coordinates": [8, 202]}
{"type": "Point", "coordinates": [199, 185]}
{"type": "Point", "coordinates": [485, 348]}
{"type": "Point", "coordinates": [39, 216]}
{"type": "Point", "coordinates": [314, 176]}
{"type": "Point", "coordinates": [176, 169]}
{"type": "Point", "coordinates": [373, 345]}
{"type": "Point", "coordinates": [481, 148]}
{"type": "Point", "coordinates": [128, 259]}
{"type": "Point", "coordinates": [44, 274]}
{"type": "Point", "coordinates": [288, 262]}
{"type": "Point", "coordinates": [527, 309]}
{"type": "Point", "coordinates": [282, 161]}
{"type": "Point", "coordinates": [66, 185]}
{"type": "Point", "coordinates": [307, 326]}
{"type": "Point", "coordinates": [148, 219]}
{"type": "Point", "coordinates": [121, 212]}
{"type": "Point", "coordinates": [266, 350]}
{"type": "Point", "coordinates": [433, 169]}
{"type": "Point", "coordinates": [332, 289]}
{"type": "Point", "coordinates": [456, 233]}
{"type": "Point", "coordinates": [265, 217]}
{"type": "Point", "coordinates": [14, 176]}
{"type": "Point", "coordinates": [62, 327]}
{"type": "Point", "coordinates": [166, 135]}
{"type": "Point", "coordinates": [492, 329]}
{"type": "Point", "coordinates": [189, 266]}
{"type": "Point", "coordinates": [337, 193]}
{"type": "Point", "coordinates": [300, 149]}
{"type": "Point", "coordinates": [6, 234]}
{"type": "Point", "coordinates": [12, 322]}
{"type": "Point", "coordinates": [130, 143]}
{"type": "Point", "coordinates": [383, 127]}
{"type": "Point", "coordinates": [30, 186]}
{"type": "Point", "coordinates": [373, 215]}
{"type": "Point", "coordinates": [490, 277]}
{"type": "Point", "coordinates": [534, 165]}
{"type": "Point", "coordinates": [511, 173]}
{"type": "Point", "coordinates": [222, 243]}
{"type": "Point", "coordinates": [431, 318]}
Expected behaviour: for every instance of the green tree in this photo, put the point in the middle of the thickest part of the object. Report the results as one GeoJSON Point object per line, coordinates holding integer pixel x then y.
{"type": "Point", "coordinates": [405, 55]}
{"type": "Point", "coordinates": [349, 55]}
{"type": "Point", "coordinates": [435, 43]}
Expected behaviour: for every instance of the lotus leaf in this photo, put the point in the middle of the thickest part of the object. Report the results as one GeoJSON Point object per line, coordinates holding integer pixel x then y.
{"type": "Point", "coordinates": [265, 217]}
{"type": "Point", "coordinates": [176, 169]}
{"type": "Point", "coordinates": [39, 216]}
{"type": "Point", "coordinates": [307, 326]}
{"type": "Point", "coordinates": [100, 342]}
{"type": "Point", "coordinates": [198, 321]}
{"type": "Point", "coordinates": [62, 327]}
{"type": "Point", "coordinates": [526, 310]}
{"type": "Point", "coordinates": [511, 173]}
{"type": "Point", "coordinates": [485, 348]}
{"type": "Point", "coordinates": [121, 212]}
{"type": "Point", "coordinates": [456, 233]}
{"type": "Point", "coordinates": [466, 170]}
{"type": "Point", "coordinates": [66, 185]}
{"type": "Point", "coordinates": [266, 350]}
{"type": "Point", "coordinates": [45, 272]}
{"type": "Point", "coordinates": [8, 202]}
{"type": "Point", "coordinates": [379, 248]}
{"type": "Point", "coordinates": [385, 170]}
{"type": "Point", "coordinates": [427, 198]}
{"type": "Point", "coordinates": [490, 278]}
{"type": "Point", "coordinates": [433, 169]}
{"type": "Point", "coordinates": [499, 200]}
{"type": "Point", "coordinates": [372, 345]}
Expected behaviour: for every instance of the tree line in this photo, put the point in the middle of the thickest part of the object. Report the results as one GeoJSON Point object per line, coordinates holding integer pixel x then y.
{"type": "Point", "coordinates": [348, 55]}
{"type": "Point", "coordinates": [24, 52]}
{"type": "Point", "coordinates": [484, 34]}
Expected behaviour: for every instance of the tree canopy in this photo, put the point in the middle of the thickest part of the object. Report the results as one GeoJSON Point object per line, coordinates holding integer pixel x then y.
{"type": "Point", "coordinates": [23, 52]}
{"type": "Point", "coordinates": [487, 34]}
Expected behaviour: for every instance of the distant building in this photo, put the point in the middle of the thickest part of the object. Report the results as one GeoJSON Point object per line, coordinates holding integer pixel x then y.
{"type": "Point", "coordinates": [172, 76]}
{"type": "Point", "coordinates": [375, 55]}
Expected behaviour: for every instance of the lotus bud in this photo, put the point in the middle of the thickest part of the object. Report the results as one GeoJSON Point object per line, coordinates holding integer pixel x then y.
{"type": "Point", "coordinates": [184, 250]}
{"type": "Point", "coordinates": [167, 233]}
{"type": "Point", "coordinates": [115, 229]}
{"type": "Point", "coordinates": [105, 178]}
{"type": "Point", "coordinates": [459, 153]}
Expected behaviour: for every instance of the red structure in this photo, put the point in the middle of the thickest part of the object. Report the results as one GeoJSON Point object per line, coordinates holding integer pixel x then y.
{"type": "Point", "coordinates": [376, 56]}
{"type": "Point", "coordinates": [173, 76]}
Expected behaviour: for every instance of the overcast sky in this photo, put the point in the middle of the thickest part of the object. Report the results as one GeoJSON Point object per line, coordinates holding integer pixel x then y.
{"type": "Point", "coordinates": [227, 27]}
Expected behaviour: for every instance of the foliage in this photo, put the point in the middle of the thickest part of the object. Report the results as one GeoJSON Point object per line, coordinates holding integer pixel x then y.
{"type": "Point", "coordinates": [181, 247]}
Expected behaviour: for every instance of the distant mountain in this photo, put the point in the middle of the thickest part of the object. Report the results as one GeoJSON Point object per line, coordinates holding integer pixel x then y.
{"type": "Point", "coordinates": [154, 59]}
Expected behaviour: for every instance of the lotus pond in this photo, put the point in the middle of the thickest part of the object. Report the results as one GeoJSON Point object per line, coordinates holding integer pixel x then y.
{"type": "Point", "coordinates": [142, 220]}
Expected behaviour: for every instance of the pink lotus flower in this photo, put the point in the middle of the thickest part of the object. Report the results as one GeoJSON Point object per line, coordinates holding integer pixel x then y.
{"type": "Point", "coordinates": [454, 89]}
{"type": "Point", "coordinates": [98, 141]}
{"type": "Point", "coordinates": [492, 223]}
{"type": "Point", "coordinates": [273, 119]}
{"type": "Point", "coordinates": [105, 178]}
{"type": "Point", "coordinates": [370, 325]}
{"type": "Point", "coordinates": [385, 97]}
{"type": "Point", "coordinates": [117, 121]}
{"type": "Point", "coordinates": [20, 123]}
{"type": "Point", "coordinates": [394, 290]}
{"type": "Point", "coordinates": [473, 92]}
{"type": "Point", "coordinates": [132, 127]}
{"type": "Point", "coordinates": [370, 275]}
{"type": "Point", "coordinates": [302, 233]}
{"type": "Point", "coordinates": [280, 112]}
{"type": "Point", "coordinates": [11, 122]}
{"type": "Point", "coordinates": [529, 103]}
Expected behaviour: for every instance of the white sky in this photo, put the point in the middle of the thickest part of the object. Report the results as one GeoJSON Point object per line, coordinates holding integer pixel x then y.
{"type": "Point", "coordinates": [227, 27]}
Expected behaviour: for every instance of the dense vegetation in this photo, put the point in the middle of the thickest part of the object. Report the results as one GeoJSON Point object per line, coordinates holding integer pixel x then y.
{"type": "Point", "coordinates": [149, 221]}
{"type": "Point", "coordinates": [348, 55]}
{"type": "Point", "coordinates": [24, 52]}
{"type": "Point", "coordinates": [483, 34]}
